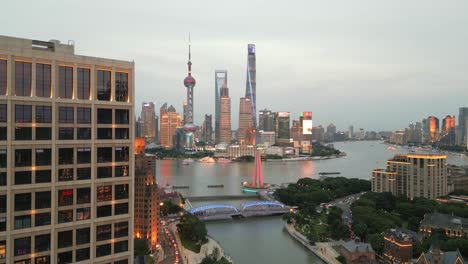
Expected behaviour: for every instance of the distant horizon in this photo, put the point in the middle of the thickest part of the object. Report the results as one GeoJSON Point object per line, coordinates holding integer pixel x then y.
{"type": "Point", "coordinates": [377, 66]}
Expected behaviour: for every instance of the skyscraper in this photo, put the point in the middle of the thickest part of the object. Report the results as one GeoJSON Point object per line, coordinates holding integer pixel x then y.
{"type": "Point", "coordinates": [67, 126]}
{"type": "Point", "coordinates": [207, 129]}
{"type": "Point", "coordinates": [251, 82]}
{"type": "Point", "coordinates": [433, 123]}
{"type": "Point", "coordinates": [266, 120]}
{"type": "Point", "coordinates": [462, 126]}
{"type": "Point", "coordinates": [224, 116]}
{"type": "Point", "coordinates": [245, 121]}
{"type": "Point", "coordinates": [448, 131]}
{"type": "Point", "coordinates": [170, 120]}
{"type": "Point", "coordinates": [148, 116]}
{"type": "Point", "coordinates": [330, 134]}
{"type": "Point", "coordinates": [306, 124]}
{"type": "Point", "coordinates": [282, 123]}
{"type": "Point", "coordinates": [220, 80]}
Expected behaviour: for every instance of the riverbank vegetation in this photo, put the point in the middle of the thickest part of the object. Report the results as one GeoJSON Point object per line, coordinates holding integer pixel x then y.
{"type": "Point", "coordinates": [215, 258]}
{"type": "Point", "coordinates": [168, 208]}
{"type": "Point", "coordinates": [376, 213]}
{"type": "Point", "coordinates": [162, 153]}
{"type": "Point", "coordinates": [192, 232]}
{"type": "Point", "coordinates": [320, 150]}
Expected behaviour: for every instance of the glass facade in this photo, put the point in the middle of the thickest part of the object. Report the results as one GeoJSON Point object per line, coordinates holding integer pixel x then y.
{"type": "Point", "coordinates": [83, 84]}
{"type": "Point", "coordinates": [23, 76]}
{"type": "Point", "coordinates": [43, 80]}
{"type": "Point", "coordinates": [66, 82]}
{"type": "Point", "coordinates": [104, 85]}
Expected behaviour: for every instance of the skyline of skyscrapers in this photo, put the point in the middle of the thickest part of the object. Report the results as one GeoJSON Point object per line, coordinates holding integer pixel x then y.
{"type": "Point", "coordinates": [266, 120]}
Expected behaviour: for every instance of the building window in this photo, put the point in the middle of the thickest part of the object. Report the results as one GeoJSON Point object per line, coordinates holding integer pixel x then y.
{"type": "Point", "coordinates": [66, 156]}
{"type": "Point", "coordinates": [83, 173]}
{"type": "Point", "coordinates": [66, 115]}
{"type": "Point", "coordinates": [83, 155]}
{"type": "Point", "coordinates": [65, 82]}
{"type": "Point", "coordinates": [103, 211]}
{"type": "Point", "coordinates": [3, 179]}
{"type": "Point", "coordinates": [3, 204]}
{"type": "Point", "coordinates": [65, 257]}
{"type": "Point", "coordinates": [23, 133]}
{"type": "Point", "coordinates": [43, 114]}
{"type": "Point", "coordinates": [2, 224]}
{"type": "Point", "coordinates": [22, 246]}
{"type": "Point", "coordinates": [2, 249]}
{"type": "Point", "coordinates": [122, 116]}
{"type": "Point", "coordinates": [23, 76]}
{"type": "Point", "coordinates": [121, 154]}
{"type": "Point", "coordinates": [121, 246]}
{"type": "Point", "coordinates": [120, 229]}
{"type": "Point", "coordinates": [42, 243]}
{"type": "Point", "coordinates": [121, 87]}
{"type": "Point", "coordinates": [43, 200]}
{"type": "Point", "coordinates": [121, 171]}
{"type": "Point", "coordinates": [23, 157]}
{"type": "Point", "coordinates": [124, 261]}
{"type": "Point", "coordinates": [83, 236]}
{"type": "Point", "coordinates": [66, 133]}
{"type": "Point", "coordinates": [3, 113]}
{"type": "Point", "coordinates": [23, 177]}
{"type": "Point", "coordinates": [104, 133]}
{"type": "Point", "coordinates": [104, 193]}
{"type": "Point", "coordinates": [65, 239]}
{"type": "Point", "coordinates": [121, 191]}
{"type": "Point", "coordinates": [104, 116]}
{"type": "Point", "coordinates": [43, 133]}
{"type": "Point", "coordinates": [3, 77]}
{"type": "Point", "coordinates": [103, 250]}
{"type": "Point", "coordinates": [65, 216]}
{"type": "Point", "coordinates": [83, 115]}
{"type": "Point", "coordinates": [3, 158]}
{"type": "Point", "coordinates": [23, 113]}
{"type": "Point", "coordinates": [121, 133]}
{"type": "Point", "coordinates": [103, 232]}
{"type": "Point", "coordinates": [103, 85]}
{"type": "Point", "coordinates": [83, 84]}
{"type": "Point", "coordinates": [3, 133]}
{"type": "Point", "coordinates": [104, 155]}
{"type": "Point", "coordinates": [84, 133]}
{"type": "Point", "coordinates": [22, 202]}
{"type": "Point", "coordinates": [83, 214]}
{"type": "Point", "coordinates": [43, 80]}
{"type": "Point", "coordinates": [83, 195]}
{"type": "Point", "coordinates": [65, 197]}
{"type": "Point", "coordinates": [22, 221]}
{"type": "Point", "coordinates": [104, 172]}
{"type": "Point", "coordinates": [82, 254]}
{"type": "Point", "coordinates": [43, 176]}
{"type": "Point", "coordinates": [43, 157]}
{"type": "Point", "coordinates": [42, 219]}
{"type": "Point", "coordinates": [65, 174]}
{"type": "Point", "coordinates": [43, 260]}
{"type": "Point", "coordinates": [121, 208]}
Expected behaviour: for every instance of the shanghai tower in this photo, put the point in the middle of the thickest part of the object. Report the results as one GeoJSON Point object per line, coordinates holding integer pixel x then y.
{"type": "Point", "coordinates": [251, 83]}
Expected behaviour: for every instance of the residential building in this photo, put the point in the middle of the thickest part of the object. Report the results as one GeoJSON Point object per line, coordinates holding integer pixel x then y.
{"type": "Point", "coordinates": [66, 134]}
{"type": "Point", "coordinates": [462, 126]}
{"type": "Point", "coordinates": [398, 247]}
{"type": "Point", "coordinates": [170, 121]}
{"type": "Point", "coordinates": [147, 121]}
{"type": "Point", "coordinates": [448, 137]}
{"type": "Point", "coordinates": [453, 226]}
{"type": "Point", "coordinates": [434, 131]}
{"type": "Point", "coordinates": [357, 252]}
{"type": "Point", "coordinates": [146, 213]}
{"type": "Point", "coordinates": [417, 175]}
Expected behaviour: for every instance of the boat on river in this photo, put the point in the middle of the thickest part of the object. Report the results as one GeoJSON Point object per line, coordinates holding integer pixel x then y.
{"type": "Point", "coordinates": [207, 160]}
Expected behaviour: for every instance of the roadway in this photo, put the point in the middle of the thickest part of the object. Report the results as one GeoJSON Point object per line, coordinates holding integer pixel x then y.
{"type": "Point", "coordinates": [169, 244]}
{"type": "Point", "coordinates": [344, 204]}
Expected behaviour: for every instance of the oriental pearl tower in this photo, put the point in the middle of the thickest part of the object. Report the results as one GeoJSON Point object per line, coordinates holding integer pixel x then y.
{"type": "Point", "coordinates": [189, 83]}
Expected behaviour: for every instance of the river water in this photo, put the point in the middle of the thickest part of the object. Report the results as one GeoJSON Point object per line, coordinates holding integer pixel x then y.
{"type": "Point", "coordinates": [263, 240]}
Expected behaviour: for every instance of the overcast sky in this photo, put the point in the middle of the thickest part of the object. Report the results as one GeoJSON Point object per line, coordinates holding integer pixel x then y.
{"type": "Point", "coordinates": [373, 64]}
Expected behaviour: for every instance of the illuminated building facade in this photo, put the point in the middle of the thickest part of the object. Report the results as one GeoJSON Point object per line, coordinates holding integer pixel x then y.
{"type": "Point", "coordinates": [225, 116]}
{"type": "Point", "coordinates": [306, 124]}
{"type": "Point", "coordinates": [251, 81]}
{"type": "Point", "coordinates": [245, 121]}
{"type": "Point", "coordinates": [146, 213]}
{"type": "Point", "coordinates": [220, 81]}
{"type": "Point", "coordinates": [266, 120]}
{"type": "Point", "coordinates": [296, 131]}
{"type": "Point", "coordinates": [170, 121]}
{"type": "Point", "coordinates": [147, 121]}
{"type": "Point", "coordinates": [433, 126]}
{"type": "Point", "coordinates": [66, 144]}
{"type": "Point", "coordinates": [448, 131]}
{"type": "Point", "coordinates": [417, 175]}
{"type": "Point", "coordinates": [398, 247]}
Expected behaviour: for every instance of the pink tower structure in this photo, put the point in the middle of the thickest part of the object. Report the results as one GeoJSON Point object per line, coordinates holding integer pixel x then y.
{"type": "Point", "coordinates": [257, 177]}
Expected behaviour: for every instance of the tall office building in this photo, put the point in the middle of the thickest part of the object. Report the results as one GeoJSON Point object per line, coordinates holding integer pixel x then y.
{"type": "Point", "coordinates": [433, 126]}
{"type": "Point", "coordinates": [412, 176]}
{"type": "Point", "coordinates": [147, 125]}
{"type": "Point", "coordinates": [207, 129]}
{"type": "Point", "coordinates": [306, 124]}
{"type": "Point", "coordinates": [296, 131]}
{"type": "Point", "coordinates": [330, 134]}
{"type": "Point", "coordinates": [66, 163]}
{"type": "Point", "coordinates": [220, 80]}
{"type": "Point", "coordinates": [146, 213]}
{"type": "Point", "coordinates": [245, 122]}
{"type": "Point", "coordinates": [462, 130]}
{"type": "Point", "coordinates": [224, 116]}
{"type": "Point", "coordinates": [448, 131]}
{"type": "Point", "coordinates": [266, 120]}
{"type": "Point", "coordinates": [251, 82]}
{"type": "Point", "coordinates": [156, 129]}
{"type": "Point", "coordinates": [282, 123]}
{"type": "Point", "coordinates": [418, 138]}
{"type": "Point", "coordinates": [170, 121]}
{"type": "Point", "coordinates": [351, 132]}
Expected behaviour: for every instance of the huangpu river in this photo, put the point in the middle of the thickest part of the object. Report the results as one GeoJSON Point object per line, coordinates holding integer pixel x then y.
{"type": "Point", "coordinates": [264, 240]}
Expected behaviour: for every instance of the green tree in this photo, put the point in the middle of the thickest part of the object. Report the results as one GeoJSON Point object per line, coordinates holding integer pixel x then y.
{"type": "Point", "coordinates": [214, 258]}
{"type": "Point", "coordinates": [360, 229]}
{"type": "Point", "coordinates": [192, 229]}
{"type": "Point", "coordinates": [140, 247]}
{"type": "Point", "coordinates": [169, 208]}
{"type": "Point", "coordinates": [377, 242]}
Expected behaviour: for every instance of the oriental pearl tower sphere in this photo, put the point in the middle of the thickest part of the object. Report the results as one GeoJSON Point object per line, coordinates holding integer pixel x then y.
{"type": "Point", "coordinates": [189, 83]}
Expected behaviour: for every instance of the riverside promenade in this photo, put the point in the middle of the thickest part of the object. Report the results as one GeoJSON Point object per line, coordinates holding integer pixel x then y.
{"type": "Point", "coordinates": [322, 250]}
